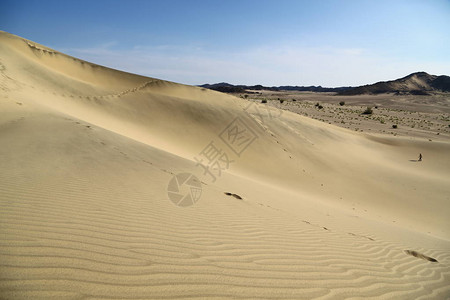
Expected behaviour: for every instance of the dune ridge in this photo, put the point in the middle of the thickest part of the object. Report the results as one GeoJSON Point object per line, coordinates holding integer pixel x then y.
{"type": "Point", "coordinates": [87, 154]}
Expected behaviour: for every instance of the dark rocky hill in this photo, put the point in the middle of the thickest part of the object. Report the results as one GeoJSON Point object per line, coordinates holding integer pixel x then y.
{"type": "Point", "coordinates": [420, 83]}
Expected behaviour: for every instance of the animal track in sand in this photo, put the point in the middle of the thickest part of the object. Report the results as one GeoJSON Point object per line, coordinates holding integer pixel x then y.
{"type": "Point", "coordinates": [363, 236]}
{"type": "Point", "coordinates": [420, 255]}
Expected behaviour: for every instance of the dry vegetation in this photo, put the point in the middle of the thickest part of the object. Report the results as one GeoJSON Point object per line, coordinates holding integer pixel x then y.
{"type": "Point", "coordinates": [415, 116]}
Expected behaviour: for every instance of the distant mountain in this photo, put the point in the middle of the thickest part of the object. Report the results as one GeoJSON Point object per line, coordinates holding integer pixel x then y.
{"type": "Point", "coordinates": [313, 88]}
{"type": "Point", "coordinates": [420, 83]}
{"type": "Point", "coordinates": [224, 87]}
{"type": "Point", "coordinates": [229, 88]}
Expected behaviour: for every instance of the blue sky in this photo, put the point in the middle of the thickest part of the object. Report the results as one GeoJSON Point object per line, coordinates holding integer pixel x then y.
{"type": "Point", "coordinates": [328, 43]}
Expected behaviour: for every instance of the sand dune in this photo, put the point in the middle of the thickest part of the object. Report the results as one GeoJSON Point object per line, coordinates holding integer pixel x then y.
{"type": "Point", "coordinates": [313, 211]}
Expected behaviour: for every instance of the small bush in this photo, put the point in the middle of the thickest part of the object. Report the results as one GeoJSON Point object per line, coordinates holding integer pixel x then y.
{"type": "Point", "coordinates": [342, 103]}
{"type": "Point", "coordinates": [368, 111]}
{"type": "Point", "coordinates": [395, 126]}
{"type": "Point", "coordinates": [264, 101]}
{"type": "Point", "coordinates": [245, 96]}
{"type": "Point", "coordinates": [281, 100]}
{"type": "Point", "coordinates": [320, 106]}
{"type": "Point", "coordinates": [296, 100]}
{"type": "Point", "coordinates": [317, 104]}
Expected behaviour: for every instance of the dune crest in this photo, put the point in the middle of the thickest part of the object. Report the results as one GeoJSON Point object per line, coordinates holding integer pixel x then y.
{"type": "Point", "coordinates": [299, 209]}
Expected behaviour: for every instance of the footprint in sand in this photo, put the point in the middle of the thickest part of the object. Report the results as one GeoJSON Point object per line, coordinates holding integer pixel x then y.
{"type": "Point", "coordinates": [362, 236]}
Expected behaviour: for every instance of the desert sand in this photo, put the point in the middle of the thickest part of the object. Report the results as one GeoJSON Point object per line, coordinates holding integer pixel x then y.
{"type": "Point", "coordinates": [427, 117]}
{"type": "Point", "coordinates": [288, 208]}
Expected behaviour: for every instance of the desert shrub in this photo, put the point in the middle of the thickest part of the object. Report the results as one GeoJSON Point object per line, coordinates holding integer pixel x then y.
{"type": "Point", "coordinates": [320, 106]}
{"type": "Point", "coordinates": [294, 99]}
{"type": "Point", "coordinates": [395, 126]}
{"type": "Point", "coordinates": [245, 96]}
{"type": "Point", "coordinates": [342, 103]}
{"type": "Point", "coordinates": [264, 101]}
{"type": "Point", "coordinates": [281, 100]}
{"type": "Point", "coordinates": [368, 111]}
{"type": "Point", "coordinates": [317, 104]}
